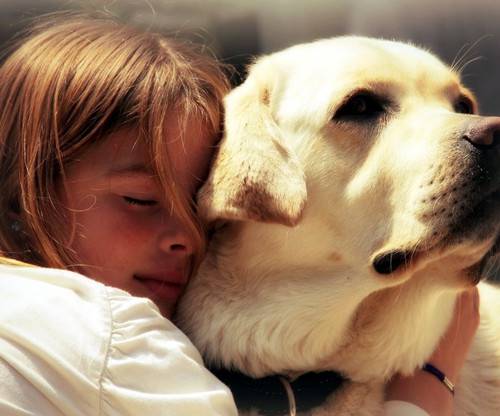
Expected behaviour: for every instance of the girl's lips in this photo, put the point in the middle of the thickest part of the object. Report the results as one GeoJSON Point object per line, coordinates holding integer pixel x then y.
{"type": "Point", "coordinates": [161, 289]}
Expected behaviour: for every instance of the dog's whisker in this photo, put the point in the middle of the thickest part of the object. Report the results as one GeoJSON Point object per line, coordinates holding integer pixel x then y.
{"type": "Point", "coordinates": [457, 61]}
{"type": "Point", "coordinates": [470, 61]}
{"type": "Point", "coordinates": [458, 57]}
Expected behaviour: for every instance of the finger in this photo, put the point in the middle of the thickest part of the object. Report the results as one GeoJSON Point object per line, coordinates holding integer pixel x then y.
{"type": "Point", "coordinates": [469, 297]}
{"type": "Point", "coordinates": [472, 298]}
{"type": "Point", "coordinates": [476, 298]}
{"type": "Point", "coordinates": [469, 303]}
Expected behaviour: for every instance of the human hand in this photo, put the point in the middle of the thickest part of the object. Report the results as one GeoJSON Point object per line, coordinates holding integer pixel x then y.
{"type": "Point", "coordinates": [452, 350]}
{"type": "Point", "coordinates": [424, 389]}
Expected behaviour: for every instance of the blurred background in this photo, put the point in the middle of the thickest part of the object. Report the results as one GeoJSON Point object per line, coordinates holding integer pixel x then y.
{"type": "Point", "coordinates": [237, 30]}
{"type": "Point", "coordinates": [466, 31]}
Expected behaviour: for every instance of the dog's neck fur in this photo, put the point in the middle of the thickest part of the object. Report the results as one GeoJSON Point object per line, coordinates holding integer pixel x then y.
{"type": "Point", "coordinates": [244, 328]}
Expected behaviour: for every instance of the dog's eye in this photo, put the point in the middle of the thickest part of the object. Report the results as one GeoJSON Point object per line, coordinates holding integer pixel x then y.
{"type": "Point", "coordinates": [464, 106]}
{"type": "Point", "coordinates": [361, 106]}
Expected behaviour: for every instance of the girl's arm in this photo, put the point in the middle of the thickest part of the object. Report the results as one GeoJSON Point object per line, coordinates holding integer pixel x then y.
{"type": "Point", "coordinates": [425, 390]}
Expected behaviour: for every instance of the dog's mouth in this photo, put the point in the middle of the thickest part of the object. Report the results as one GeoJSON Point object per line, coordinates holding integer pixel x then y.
{"type": "Point", "coordinates": [481, 224]}
{"type": "Point", "coordinates": [389, 262]}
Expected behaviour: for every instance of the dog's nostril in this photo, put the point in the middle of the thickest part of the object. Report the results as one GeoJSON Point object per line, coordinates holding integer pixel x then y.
{"type": "Point", "coordinates": [480, 142]}
{"type": "Point", "coordinates": [483, 133]}
{"type": "Point", "coordinates": [389, 262]}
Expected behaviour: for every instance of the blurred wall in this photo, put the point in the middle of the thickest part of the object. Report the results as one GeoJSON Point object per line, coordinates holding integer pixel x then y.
{"type": "Point", "coordinates": [446, 27]}
{"type": "Point", "coordinates": [237, 30]}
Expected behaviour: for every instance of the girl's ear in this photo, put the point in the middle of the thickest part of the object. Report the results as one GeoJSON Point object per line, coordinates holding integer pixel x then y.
{"type": "Point", "coordinates": [255, 175]}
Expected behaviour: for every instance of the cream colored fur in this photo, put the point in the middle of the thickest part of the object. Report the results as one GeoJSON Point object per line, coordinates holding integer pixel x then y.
{"type": "Point", "coordinates": [304, 202]}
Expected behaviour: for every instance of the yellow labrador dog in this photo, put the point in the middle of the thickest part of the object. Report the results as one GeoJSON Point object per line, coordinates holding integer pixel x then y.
{"type": "Point", "coordinates": [355, 193]}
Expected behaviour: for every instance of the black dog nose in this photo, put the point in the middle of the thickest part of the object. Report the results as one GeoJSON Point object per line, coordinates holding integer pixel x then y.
{"type": "Point", "coordinates": [483, 133]}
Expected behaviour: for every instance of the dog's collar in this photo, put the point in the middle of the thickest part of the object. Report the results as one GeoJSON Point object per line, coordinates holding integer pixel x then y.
{"type": "Point", "coordinates": [277, 395]}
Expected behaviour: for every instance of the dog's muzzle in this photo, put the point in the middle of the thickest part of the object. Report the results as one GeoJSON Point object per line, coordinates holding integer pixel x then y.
{"type": "Point", "coordinates": [478, 141]}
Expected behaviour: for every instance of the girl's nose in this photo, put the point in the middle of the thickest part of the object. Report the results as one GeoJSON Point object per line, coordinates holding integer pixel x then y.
{"type": "Point", "coordinates": [176, 239]}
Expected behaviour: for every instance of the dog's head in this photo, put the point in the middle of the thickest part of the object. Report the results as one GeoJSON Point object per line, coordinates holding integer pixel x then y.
{"type": "Point", "coordinates": [352, 171]}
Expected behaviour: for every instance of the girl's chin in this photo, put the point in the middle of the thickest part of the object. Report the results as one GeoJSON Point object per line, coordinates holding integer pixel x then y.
{"type": "Point", "coordinates": [166, 310]}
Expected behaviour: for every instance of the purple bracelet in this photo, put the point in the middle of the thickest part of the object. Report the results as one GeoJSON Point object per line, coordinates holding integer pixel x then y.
{"type": "Point", "coordinates": [440, 376]}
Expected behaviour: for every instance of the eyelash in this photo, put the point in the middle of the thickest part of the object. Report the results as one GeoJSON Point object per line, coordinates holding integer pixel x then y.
{"type": "Point", "coordinates": [139, 202]}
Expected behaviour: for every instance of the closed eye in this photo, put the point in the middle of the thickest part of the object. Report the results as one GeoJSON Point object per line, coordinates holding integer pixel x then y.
{"type": "Point", "coordinates": [139, 202]}
{"type": "Point", "coordinates": [361, 106]}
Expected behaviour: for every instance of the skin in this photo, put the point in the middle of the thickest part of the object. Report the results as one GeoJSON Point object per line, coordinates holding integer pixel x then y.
{"type": "Point", "coordinates": [126, 234]}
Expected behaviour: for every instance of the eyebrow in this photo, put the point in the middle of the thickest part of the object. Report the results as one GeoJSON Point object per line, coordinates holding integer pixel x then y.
{"type": "Point", "coordinates": [136, 169]}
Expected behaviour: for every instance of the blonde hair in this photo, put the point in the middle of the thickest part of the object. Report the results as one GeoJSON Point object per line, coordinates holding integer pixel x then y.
{"type": "Point", "coordinates": [72, 81]}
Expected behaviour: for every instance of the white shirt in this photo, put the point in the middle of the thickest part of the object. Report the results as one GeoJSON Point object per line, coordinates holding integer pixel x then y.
{"type": "Point", "coordinates": [72, 346]}
{"type": "Point", "coordinates": [75, 347]}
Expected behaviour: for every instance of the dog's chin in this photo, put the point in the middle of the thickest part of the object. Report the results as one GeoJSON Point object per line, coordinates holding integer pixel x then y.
{"type": "Point", "coordinates": [470, 254]}
{"type": "Point", "coordinates": [480, 224]}
{"type": "Point", "coordinates": [473, 240]}
{"type": "Point", "coordinates": [489, 264]}
{"type": "Point", "coordinates": [477, 235]}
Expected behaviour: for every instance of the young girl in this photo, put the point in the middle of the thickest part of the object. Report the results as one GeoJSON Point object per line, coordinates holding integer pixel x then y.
{"type": "Point", "coordinates": [106, 133]}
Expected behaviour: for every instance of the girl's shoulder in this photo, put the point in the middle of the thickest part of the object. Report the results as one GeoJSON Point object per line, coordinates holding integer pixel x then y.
{"type": "Point", "coordinates": [65, 338]}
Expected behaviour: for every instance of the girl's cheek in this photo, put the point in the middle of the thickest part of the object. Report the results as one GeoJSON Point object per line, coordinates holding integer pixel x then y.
{"type": "Point", "coordinates": [113, 222]}
{"type": "Point", "coordinates": [137, 226]}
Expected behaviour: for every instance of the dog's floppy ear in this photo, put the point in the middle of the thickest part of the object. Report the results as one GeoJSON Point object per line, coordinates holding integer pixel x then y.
{"type": "Point", "coordinates": [255, 175]}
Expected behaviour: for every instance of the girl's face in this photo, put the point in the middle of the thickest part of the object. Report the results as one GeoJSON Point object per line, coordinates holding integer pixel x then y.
{"type": "Point", "coordinates": [126, 234]}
